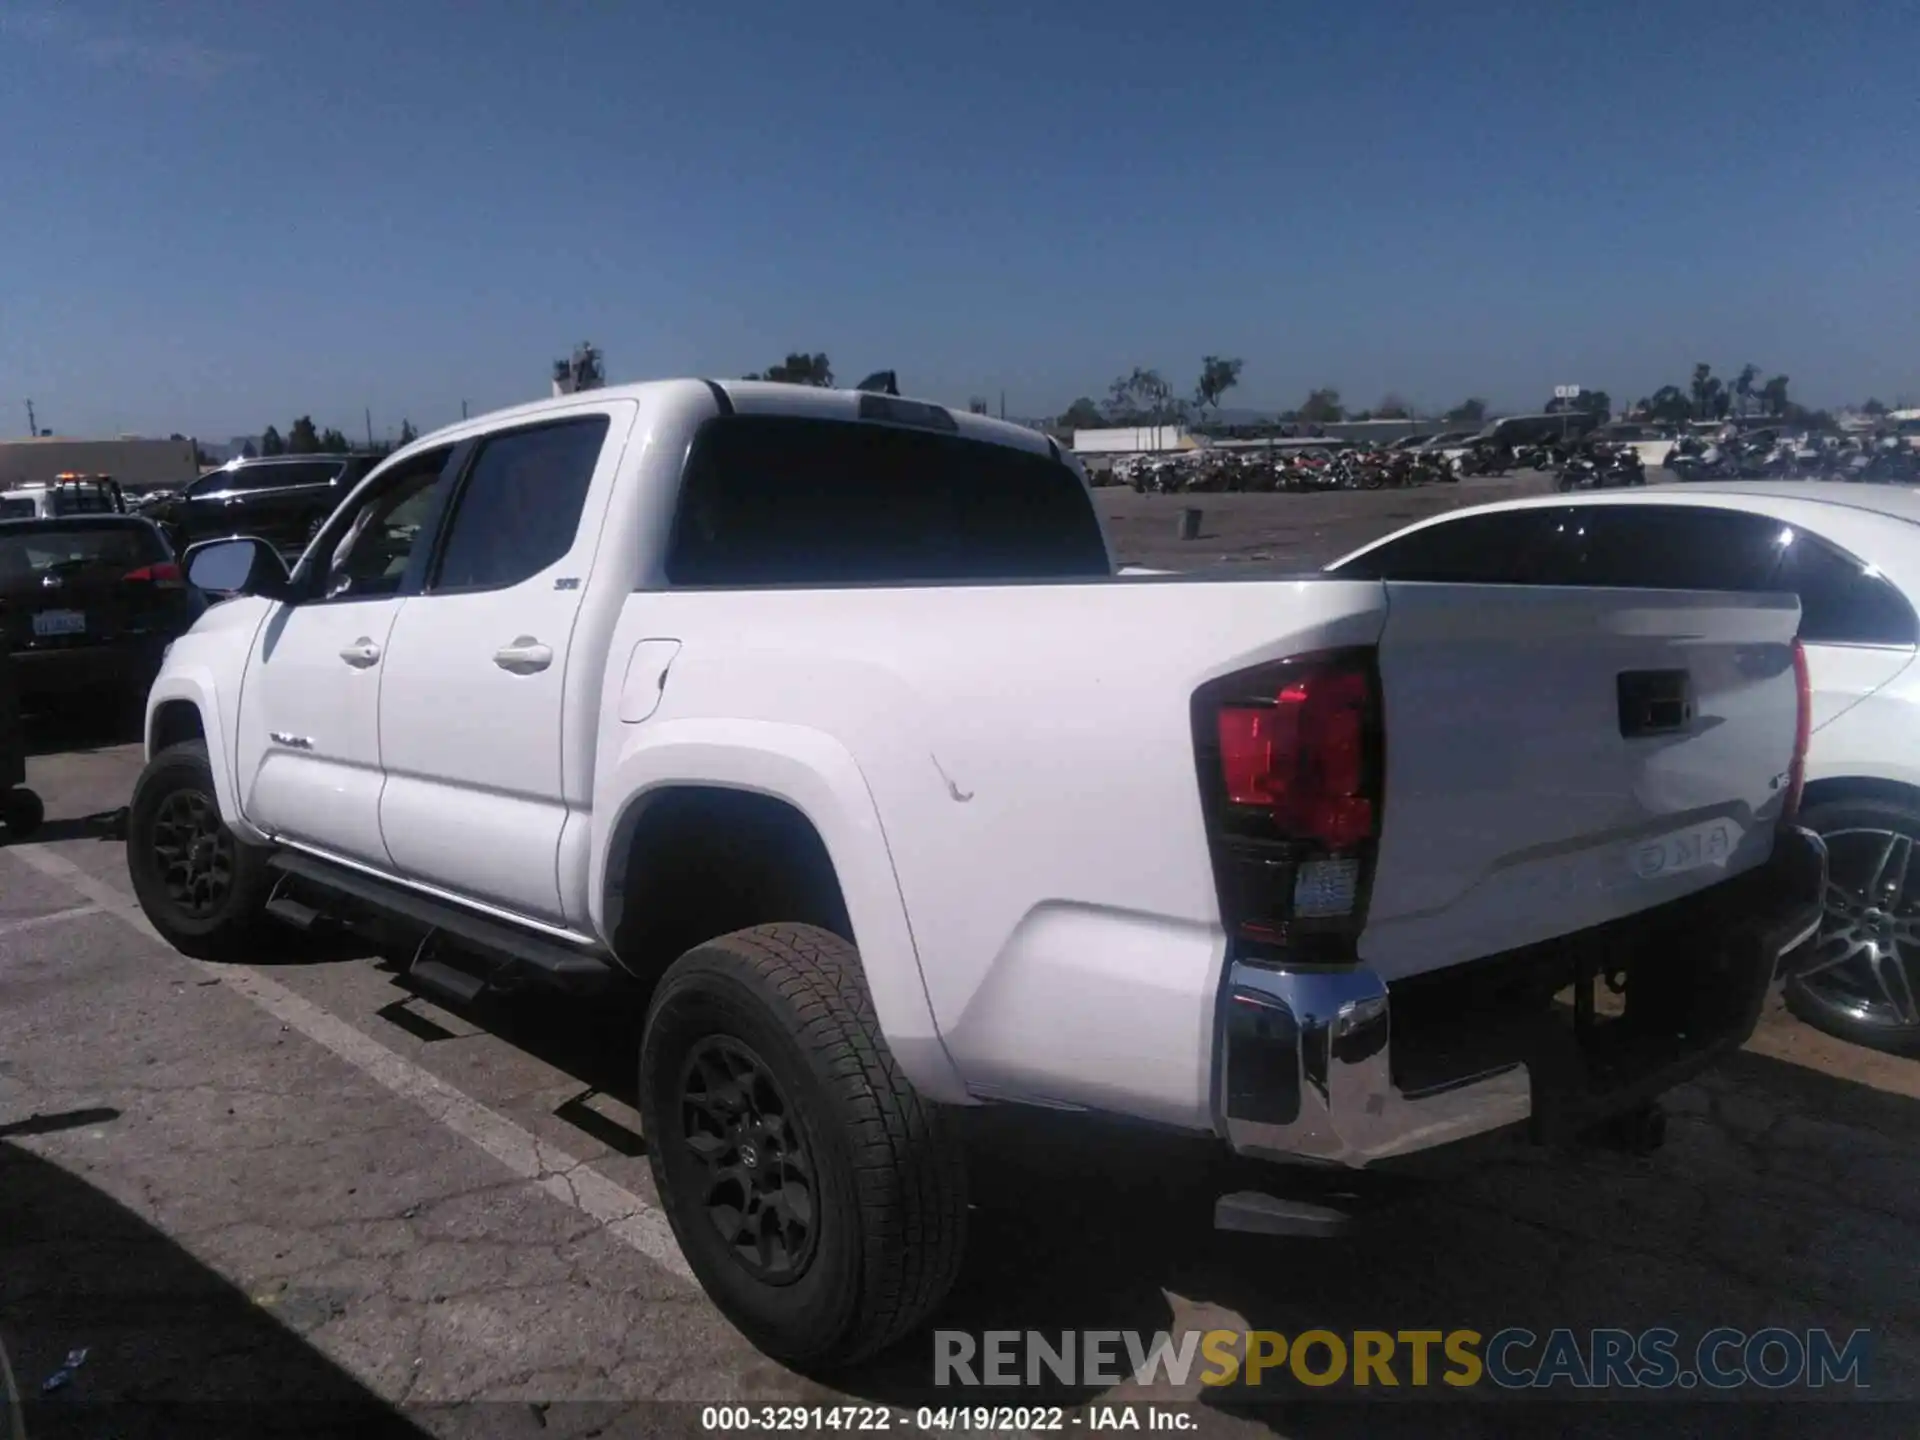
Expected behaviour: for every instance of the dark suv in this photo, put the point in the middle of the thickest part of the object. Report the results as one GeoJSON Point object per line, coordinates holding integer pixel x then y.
{"type": "Point", "coordinates": [283, 499]}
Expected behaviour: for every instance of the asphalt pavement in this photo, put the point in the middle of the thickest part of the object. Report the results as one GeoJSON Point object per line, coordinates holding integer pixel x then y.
{"type": "Point", "coordinates": [1286, 532]}
{"type": "Point", "coordinates": [292, 1188]}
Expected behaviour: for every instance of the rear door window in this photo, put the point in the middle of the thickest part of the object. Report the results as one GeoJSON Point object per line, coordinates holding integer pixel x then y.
{"type": "Point", "coordinates": [780, 500]}
{"type": "Point", "coordinates": [520, 505]}
{"type": "Point", "coordinates": [1490, 549]}
{"type": "Point", "coordinates": [1658, 547]}
{"type": "Point", "coordinates": [1842, 600]}
{"type": "Point", "coordinates": [1668, 547]}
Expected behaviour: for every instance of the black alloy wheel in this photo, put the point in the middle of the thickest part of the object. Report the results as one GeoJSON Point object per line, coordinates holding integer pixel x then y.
{"type": "Point", "coordinates": [759, 1182]}
{"type": "Point", "coordinates": [193, 852]}
{"type": "Point", "coordinates": [199, 884]}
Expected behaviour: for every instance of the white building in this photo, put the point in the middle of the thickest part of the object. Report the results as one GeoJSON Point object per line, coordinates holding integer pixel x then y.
{"type": "Point", "coordinates": [136, 464]}
{"type": "Point", "coordinates": [1134, 440]}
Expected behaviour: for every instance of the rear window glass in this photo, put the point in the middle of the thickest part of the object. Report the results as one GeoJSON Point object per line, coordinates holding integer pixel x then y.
{"type": "Point", "coordinates": [1842, 601]}
{"type": "Point", "coordinates": [39, 549]}
{"type": "Point", "coordinates": [17, 510]}
{"type": "Point", "coordinates": [775, 500]}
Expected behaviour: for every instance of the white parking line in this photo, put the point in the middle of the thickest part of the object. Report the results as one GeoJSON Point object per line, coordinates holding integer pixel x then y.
{"type": "Point", "coordinates": [30, 922]}
{"type": "Point", "coordinates": [624, 1214]}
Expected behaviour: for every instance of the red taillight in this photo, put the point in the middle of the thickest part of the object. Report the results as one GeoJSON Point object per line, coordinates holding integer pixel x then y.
{"type": "Point", "coordinates": [1802, 731]}
{"type": "Point", "coordinates": [1303, 756]}
{"type": "Point", "coordinates": [164, 576]}
{"type": "Point", "coordinates": [1292, 761]}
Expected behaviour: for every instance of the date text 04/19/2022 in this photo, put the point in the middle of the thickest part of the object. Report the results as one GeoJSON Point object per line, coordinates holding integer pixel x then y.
{"type": "Point", "coordinates": [942, 1419]}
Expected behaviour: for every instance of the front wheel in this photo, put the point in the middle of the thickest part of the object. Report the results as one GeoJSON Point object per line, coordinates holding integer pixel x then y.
{"type": "Point", "coordinates": [1859, 978]}
{"type": "Point", "coordinates": [201, 887]}
{"type": "Point", "coordinates": [819, 1200]}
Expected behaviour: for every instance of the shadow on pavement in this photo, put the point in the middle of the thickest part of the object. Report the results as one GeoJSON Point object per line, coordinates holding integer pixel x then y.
{"type": "Point", "coordinates": [1784, 1197]}
{"type": "Point", "coordinates": [172, 1348]}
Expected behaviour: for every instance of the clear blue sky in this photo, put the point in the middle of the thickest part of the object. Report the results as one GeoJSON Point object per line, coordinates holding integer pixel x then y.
{"type": "Point", "coordinates": [221, 213]}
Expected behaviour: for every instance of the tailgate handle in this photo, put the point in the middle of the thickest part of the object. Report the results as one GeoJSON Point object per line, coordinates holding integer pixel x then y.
{"type": "Point", "coordinates": [1655, 702]}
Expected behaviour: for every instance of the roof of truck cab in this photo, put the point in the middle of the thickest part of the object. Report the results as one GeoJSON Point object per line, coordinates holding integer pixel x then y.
{"type": "Point", "coordinates": [762, 397]}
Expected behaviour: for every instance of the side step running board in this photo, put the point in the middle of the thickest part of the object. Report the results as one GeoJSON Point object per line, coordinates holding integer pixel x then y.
{"type": "Point", "coordinates": [562, 966]}
{"type": "Point", "coordinates": [1252, 1213]}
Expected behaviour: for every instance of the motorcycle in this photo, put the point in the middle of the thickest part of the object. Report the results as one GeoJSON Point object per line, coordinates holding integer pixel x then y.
{"type": "Point", "coordinates": [1601, 470]}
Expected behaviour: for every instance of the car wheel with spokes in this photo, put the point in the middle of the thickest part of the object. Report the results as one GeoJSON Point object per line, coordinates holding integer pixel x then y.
{"type": "Point", "coordinates": [201, 887]}
{"type": "Point", "coordinates": [818, 1199]}
{"type": "Point", "coordinates": [1859, 978]}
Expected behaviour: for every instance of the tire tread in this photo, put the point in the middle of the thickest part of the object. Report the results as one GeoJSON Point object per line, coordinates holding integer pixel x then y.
{"type": "Point", "coordinates": [909, 1171]}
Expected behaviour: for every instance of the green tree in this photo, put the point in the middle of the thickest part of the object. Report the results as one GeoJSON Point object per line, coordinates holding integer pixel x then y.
{"type": "Point", "coordinates": [1469, 412]}
{"type": "Point", "coordinates": [332, 442]}
{"type": "Point", "coordinates": [1217, 376]}
{"type": "Point", "coordinates": [1874, 408]}
{"type": "Point", "coordinates": [407, 433]}
{"type": "Point", "coordinates": [1743, 388]}
{"type": "Point", "coordinates": [271, 443]}
{"type": "Point", "coordinates": [1322, 407]}
{"type": "Point", "coordinates": [1669, 406]}
{"type": "Point", "coordinates": [1083, 414]}
{"type": "Point", "coordinates": [1773, 396]}
{"type": "Point", "coordinates": [799, 368]}
{"type": "Point", "coordinates": [1392, 407]}
{"type": "Point", "coordinates": [302, 438]}
{"type": "Point", "coordinates": [1709, 395]}
{"type": "Point", "coordinates": [1143, 397]}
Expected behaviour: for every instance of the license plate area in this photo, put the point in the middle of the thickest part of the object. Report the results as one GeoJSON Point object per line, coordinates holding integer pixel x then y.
{"type": "Point", "coordinates": [60, 622]}
{"type": "Point", "coordinates": [1593, 1017]}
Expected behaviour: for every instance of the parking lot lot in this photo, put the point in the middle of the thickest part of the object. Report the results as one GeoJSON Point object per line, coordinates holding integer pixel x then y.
{"type": "Point", "coordinates": [295, 1182]}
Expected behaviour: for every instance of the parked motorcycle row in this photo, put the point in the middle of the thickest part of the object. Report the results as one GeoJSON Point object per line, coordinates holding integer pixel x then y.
{"type": "Point", "coordinates": [1213, 471]}
{"type": "Point", "coordinates": [1768, 456]}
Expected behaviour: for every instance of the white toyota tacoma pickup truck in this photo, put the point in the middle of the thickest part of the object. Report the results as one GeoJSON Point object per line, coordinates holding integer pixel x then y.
{"type": "Point", "coordinates": [822, 716]}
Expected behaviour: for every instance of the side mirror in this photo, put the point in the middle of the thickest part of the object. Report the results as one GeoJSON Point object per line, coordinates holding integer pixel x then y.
{"type": "Point", "coordinates": [244, 565]}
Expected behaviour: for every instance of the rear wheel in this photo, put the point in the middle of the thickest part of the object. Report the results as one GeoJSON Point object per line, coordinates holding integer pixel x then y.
{"type": "Point", "coordinates": [20, 812]}
{"type": "Point", "coordinates": [819, 1200]}
{"type": "Point", "coordinates": [1859, 979]}
{"type": "Point", "coordinates": [201, 887]}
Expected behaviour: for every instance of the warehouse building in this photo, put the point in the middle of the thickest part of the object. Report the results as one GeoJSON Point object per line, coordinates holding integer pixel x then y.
{"type": "Point", "coordinates": [136, 464]}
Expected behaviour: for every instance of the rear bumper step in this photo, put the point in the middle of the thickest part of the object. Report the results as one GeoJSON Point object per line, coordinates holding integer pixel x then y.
{"type": "Point", "coordinates": [1341, 1068]}
{"type": "Point", "coordinates": [522, 952]}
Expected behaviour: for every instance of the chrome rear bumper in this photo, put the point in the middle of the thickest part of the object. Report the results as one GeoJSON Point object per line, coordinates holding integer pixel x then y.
{"type": "Point", "coordinates": [1305, 1060]}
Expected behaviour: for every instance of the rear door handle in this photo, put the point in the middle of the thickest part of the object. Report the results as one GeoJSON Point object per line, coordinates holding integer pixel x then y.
{"type": "Point", "coordinates": [362, 653]}
{"type": "Point", "coordinates": [524, 656]}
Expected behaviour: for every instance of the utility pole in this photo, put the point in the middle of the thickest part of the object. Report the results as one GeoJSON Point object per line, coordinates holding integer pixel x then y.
{"type": "Point", "coordinates": [463, 409]}
{"type": "Point", "coordinates": [369, 427]}
{"type": "Point", "coordinates": [33, 425]}
{"type": "Point", "coordinates": [1003, 404]}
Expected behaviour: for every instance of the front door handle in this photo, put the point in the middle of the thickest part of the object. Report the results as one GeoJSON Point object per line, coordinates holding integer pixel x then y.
{"type": "Point", "coordinates": [362, 653]}
{"type": "Point", "coordinates": [524, 656]}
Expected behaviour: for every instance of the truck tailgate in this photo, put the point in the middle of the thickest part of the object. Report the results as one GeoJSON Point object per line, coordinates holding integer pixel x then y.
{"type": "Point", "coordinates": [1557, 758]}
